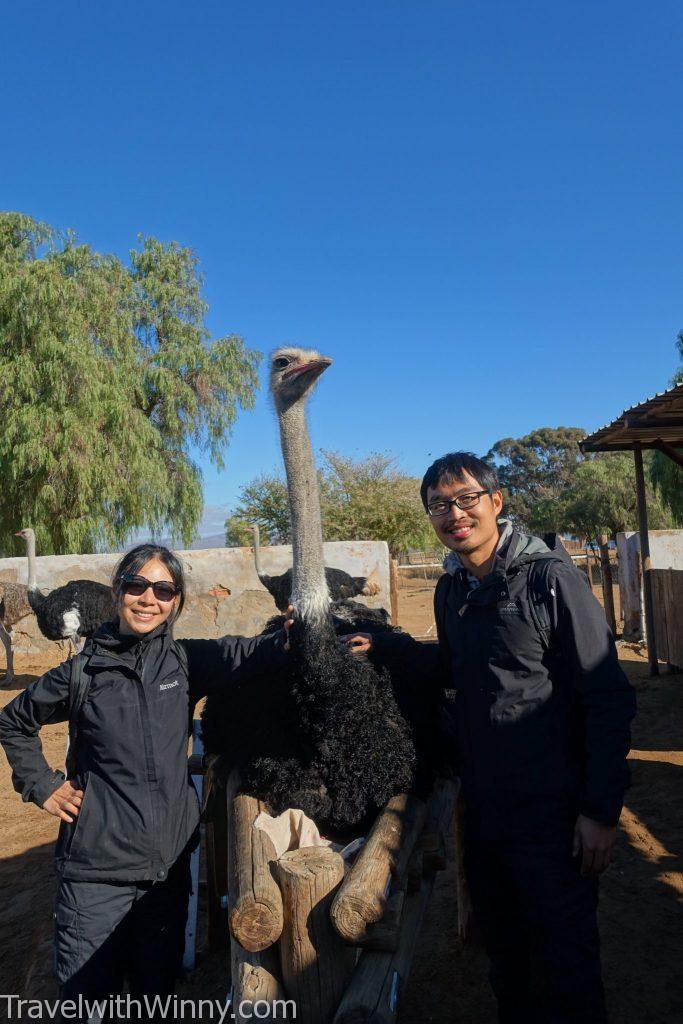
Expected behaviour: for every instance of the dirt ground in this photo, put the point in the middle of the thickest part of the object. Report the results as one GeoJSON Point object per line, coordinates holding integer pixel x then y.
{"type": "Point", "coordinates": [642, 892]}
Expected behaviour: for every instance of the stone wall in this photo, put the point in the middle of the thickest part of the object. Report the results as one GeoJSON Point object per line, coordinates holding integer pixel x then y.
{"type": "Point", "coordinates": [224, 592]}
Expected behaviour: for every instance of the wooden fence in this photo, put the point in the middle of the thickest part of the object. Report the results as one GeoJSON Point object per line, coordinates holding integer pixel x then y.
{"type": "Point", "coordinates": [667, 598]}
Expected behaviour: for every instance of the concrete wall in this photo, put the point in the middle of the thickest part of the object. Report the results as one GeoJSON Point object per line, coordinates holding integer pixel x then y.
{"type": "Point", "coordinates": [224, 592]}
{"type": "Point", "coordinates": [666, 552]}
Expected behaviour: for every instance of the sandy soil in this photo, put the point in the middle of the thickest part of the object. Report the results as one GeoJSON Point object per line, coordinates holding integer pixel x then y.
{"type": "Point", "coordinates": [642, 892]}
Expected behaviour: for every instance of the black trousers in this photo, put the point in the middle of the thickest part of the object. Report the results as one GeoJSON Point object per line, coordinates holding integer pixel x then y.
{"type": "Point", "coordinates": [538, 918]}
{"type": "Point", "coordinates": [107, 934]}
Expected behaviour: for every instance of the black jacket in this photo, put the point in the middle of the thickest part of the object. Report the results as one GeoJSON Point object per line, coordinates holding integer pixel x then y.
{"type": "Point", "coordinates": [532, 723]}
{"type": "Point", "coordinates": [140, 808]}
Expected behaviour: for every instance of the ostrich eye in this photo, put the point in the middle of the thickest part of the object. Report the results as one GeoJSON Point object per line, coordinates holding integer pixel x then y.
{"type": "Point", "coordinates": [280, 363]}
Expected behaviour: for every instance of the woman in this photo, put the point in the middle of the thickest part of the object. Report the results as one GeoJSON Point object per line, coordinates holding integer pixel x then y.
{"type": "Point", "coordinates": [130, 813]}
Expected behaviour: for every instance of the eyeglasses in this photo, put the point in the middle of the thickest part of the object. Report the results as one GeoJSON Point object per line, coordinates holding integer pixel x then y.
{"type": "Point", "coordinates": [463, 502]}
{"type": "Point", "coordinates": [137, 585]}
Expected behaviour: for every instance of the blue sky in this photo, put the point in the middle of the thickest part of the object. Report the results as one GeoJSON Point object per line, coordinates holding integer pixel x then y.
{"type": "Point", "coordinates": [474, 208]}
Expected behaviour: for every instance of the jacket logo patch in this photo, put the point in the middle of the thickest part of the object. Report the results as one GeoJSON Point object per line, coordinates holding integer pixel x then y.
{"type": "Point", "coordinates": [168, 686]}
{"type": "Point", "coordinates": [510, 608]}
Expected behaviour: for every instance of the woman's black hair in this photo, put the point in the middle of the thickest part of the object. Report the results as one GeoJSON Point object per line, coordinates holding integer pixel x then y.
{"type": "Point", "coordinates": [453, 467]}
{"type": "Point", "coordinates": [133, 561]}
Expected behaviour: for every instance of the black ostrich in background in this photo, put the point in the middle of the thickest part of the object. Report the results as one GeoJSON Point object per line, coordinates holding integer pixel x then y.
{"type": "Point", "coordinates": [323, 730]}
{"type": "Point", "coordinates": [72, 612]}
{"type": "Point", "coordinates": [340, 584]}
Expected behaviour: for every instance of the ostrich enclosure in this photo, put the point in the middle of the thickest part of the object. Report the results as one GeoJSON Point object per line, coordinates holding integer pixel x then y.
{"type": "Point", "coordinates": [642, 892]}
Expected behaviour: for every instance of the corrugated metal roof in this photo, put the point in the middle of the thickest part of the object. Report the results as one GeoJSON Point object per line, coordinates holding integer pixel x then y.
{"type": "Point", "coordinates": [657, 419]}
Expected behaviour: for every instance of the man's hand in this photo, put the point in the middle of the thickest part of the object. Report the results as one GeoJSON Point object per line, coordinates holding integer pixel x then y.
{"type": "Point", "coordinates": [358, 643]}
{"type": "Point", "coordinates": [64, 802]}
{"type": "Point", "coordinates": [595, 842]}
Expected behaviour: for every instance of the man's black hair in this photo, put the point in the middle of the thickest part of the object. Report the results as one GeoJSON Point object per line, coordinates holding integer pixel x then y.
{"type": "Point", "coordinates": [133, 561]}
{"type": "Point", "coordinates": [453, 467]}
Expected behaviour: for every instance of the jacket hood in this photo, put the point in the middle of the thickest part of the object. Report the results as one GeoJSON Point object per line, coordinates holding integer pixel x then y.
{"type": "Point", "coordinates": [525, 548]}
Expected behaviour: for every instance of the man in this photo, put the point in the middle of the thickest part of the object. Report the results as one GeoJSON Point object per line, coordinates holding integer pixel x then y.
{"type": "Point", "coordinates": [541, 723]}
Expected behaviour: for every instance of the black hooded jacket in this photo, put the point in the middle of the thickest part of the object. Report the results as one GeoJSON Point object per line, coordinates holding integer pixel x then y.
{"type": "Point", "coordinates": [532, 723]}
{"type": "Point", "coordinates": [139, 808]}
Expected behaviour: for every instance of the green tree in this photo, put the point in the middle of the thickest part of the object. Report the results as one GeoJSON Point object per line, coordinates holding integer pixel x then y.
{"type": "Point", "coordinates": [664, 473]}
{"type": "Point", "coordinates": [602, 499]}
{"type": "Point", "coordinates": [365, 499]}
{"type": "Point", "coordinates": [264, 502]}
{"type": "Point", "coordinates": [108, 380]}
{"type": "Point", "coordinates": [370, 499]}
{"type": "Point", "coordinates": [534, 470]}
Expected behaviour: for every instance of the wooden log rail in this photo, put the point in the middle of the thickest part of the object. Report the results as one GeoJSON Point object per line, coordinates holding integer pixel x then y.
{"type": "Point", "coordinates": [362, 899]}
{"type": "Point", "coordinates": [374, 992]}
{"type": "Point", "coordinates": [304, 900]}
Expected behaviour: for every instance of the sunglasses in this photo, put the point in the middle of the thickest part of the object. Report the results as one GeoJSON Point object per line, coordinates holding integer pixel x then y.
{"type": "Point", "coordinates": [137, 585]}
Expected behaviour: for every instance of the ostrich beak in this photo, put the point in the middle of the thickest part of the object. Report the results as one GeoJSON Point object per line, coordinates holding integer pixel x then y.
{"type": "Point", "coordinates": [315, 367]}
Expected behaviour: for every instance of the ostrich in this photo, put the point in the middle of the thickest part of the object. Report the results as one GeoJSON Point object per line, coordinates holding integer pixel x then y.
{"type": "Point", "coordinates": [72, 612]}
{"type": "Point", "coordinates": [340, 585]}
{"type": "Point", "coordinates": [322, 730]}
{"type": "Point", "coordinates": [13, 606]}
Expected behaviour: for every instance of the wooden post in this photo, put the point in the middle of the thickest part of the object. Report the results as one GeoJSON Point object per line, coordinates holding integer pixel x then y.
{"type": "Point", "coordinates": [393, 590]}
{"type": "Point", "coordinates": [313, 957]}
{"type": "Point", "coordinates": [255, 979]}
{"type": "Point", "coordinates": [607, 591]}
{"type": "Point", "coordinates": [253, 894]}
{"type": "Point", "coordinates": [589, 571]}
{"type": "Point", "coordinates": [645, 561]}
{"type": "Point", "coordinates": [362, 899]}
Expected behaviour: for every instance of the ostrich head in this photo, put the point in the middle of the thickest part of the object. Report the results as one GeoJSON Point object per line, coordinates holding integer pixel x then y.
{"type": "Point", "coordinates": [26, 534]}
{"type": "Point", "coordinates": [293, 372]}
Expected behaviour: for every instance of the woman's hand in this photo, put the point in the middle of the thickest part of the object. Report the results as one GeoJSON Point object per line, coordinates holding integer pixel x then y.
{"type": "Point", "coordinates": [288, 623]}
{"type": "Point", "coordinates": [64, 802]}
{"type": "Point", "coordinates": [359, 644]}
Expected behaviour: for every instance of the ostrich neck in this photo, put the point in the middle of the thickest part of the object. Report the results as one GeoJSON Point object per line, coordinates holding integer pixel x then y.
{"type": "Point", "coordinates": [309, 594]}
{"type": "Point", "coordinates": [31, 553]}
{"type": "Point", "coordinates": [257, 552]}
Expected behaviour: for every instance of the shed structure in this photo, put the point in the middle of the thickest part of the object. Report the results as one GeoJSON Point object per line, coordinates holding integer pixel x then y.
{"type": "Point", "coordinates": [656, 423]}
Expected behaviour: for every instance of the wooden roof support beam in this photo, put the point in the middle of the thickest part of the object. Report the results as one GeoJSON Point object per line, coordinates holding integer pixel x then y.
{"type": "Point", "coordinates": [646, 562]}
{"type": "Point", "coordinates": [654, 423]}
{"type": "Point", "coordinates": [675, 456]}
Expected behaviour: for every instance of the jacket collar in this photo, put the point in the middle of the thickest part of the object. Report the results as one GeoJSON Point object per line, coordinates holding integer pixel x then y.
{"type": "Point", "coordinates": [514, 549]}
{"type": "Point", "coordinates": [109, 643]}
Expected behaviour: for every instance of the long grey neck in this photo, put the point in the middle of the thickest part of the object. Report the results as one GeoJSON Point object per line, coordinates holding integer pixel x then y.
{"type": "Point", "coordinates": [309, 593]}
{"type": "Point", "coordinates": [257, 552]}
{"type": "Point", "coordinates": [31, 552]}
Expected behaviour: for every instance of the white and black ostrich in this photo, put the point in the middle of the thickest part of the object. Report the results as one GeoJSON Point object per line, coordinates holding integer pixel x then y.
{"type": "Point", "coordinates": [340, 584]}
{"type": "Point", "coordinates": [72, 612]}
{"type": "Point", "coordinates": [322, 730]}
{"type": "Point", "coordinates": [13, 607]}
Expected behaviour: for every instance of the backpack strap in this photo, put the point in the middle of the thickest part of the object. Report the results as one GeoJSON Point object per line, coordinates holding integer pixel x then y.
{"type": "Point", "coordinates": [79, 684]}
{"type": "Point", "coordinates": [539, 593]}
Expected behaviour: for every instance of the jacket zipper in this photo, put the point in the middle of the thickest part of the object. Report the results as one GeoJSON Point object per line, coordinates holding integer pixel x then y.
{"type": "Point", "coordinates": [152, 779]}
